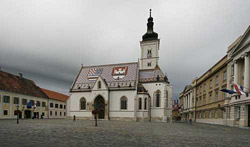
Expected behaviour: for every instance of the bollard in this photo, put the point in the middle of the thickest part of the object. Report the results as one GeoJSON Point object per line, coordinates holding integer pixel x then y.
{"type": "Point", "coordinates": [95, 120]}
{"type": "Point", "coordinates": [74, 118]}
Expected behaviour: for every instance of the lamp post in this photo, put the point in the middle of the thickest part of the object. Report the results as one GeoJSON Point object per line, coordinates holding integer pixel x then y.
{"type": "Point", "coordinates": [17, 119]}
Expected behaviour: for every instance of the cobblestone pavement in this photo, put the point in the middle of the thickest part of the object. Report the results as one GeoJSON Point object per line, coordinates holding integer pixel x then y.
{"type": "Point", "coordinates": [66, 133]}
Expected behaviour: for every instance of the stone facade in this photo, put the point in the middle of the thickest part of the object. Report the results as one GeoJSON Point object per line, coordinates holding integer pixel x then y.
{"type": "Point", "coordinates": [239, 105]}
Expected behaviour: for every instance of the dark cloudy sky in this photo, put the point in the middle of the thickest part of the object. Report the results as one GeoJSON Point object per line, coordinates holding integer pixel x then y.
{"type": "Point", "coordinates": [48, 40]}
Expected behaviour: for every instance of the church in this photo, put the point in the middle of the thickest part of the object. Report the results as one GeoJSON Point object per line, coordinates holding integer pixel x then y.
{"type": "Point", "coordinates": [136, 91]}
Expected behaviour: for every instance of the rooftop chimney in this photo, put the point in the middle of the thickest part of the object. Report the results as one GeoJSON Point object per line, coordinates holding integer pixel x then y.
{"type": "Point", "coordinates": [20, 75]}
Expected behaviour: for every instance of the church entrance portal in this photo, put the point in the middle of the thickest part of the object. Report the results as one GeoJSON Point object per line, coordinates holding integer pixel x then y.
{"type": "Point", "coordinates": [99, 104]}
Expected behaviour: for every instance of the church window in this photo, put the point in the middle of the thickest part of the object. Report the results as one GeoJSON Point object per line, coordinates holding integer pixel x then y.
{"type": "Point", "coordinates": [123, 103]}
{"type": "Point", "coordinates": [149, 53]}
{"type": "Point", "coordinates": [99, 85]}
{"type": "Point", "coordinates": [140, 104]}
{"type": "Point", "coordinates": [149, 64]}
{"type": "Point", "coordinates": [157, 98]}
{"type": "Point", "coordinates": [145, 103]}
{"type": "Point", "coordinates": [83, 104]}
{"type": "Point", "coordinates": [166, 98]}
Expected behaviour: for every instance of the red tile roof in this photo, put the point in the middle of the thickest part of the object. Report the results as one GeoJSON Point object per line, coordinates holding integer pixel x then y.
{"type": "Point", "coordinates": [56, 95]}
{"type": "Point", "coordinates": [12, 83]}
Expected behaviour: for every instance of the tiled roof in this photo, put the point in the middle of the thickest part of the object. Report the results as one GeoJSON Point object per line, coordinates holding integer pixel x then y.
{"type": "Point", "coordinates": [55, 95]}
{"type": "Point", "coordinates": [17, 84]}
{"type": "Point", "coordinates": [151, 75]}
{"type": "Point", "coordinates": [84, 82]}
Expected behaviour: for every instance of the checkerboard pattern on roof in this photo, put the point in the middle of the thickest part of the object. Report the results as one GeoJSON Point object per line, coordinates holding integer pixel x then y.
{"type": "Point", "coordinates": [130, 78]}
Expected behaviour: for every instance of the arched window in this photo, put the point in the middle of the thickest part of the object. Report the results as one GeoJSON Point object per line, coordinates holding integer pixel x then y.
{"type": "Point", "coordinates": [99, 85]}
{"type": "Point", "coordinates": [140, 104]}
{"type": "Point", "coordinates": [166, 98]}
{"type": "Point", "coordinates": [157, 98]}
{"type": "Point", "coordinates": [82, 103]}
{"type": "Point", "coordinates": [145, 103]}
{"type": "Point", "coordinates": [124, 103]}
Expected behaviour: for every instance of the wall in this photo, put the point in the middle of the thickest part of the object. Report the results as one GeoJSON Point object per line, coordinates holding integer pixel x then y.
{"type": "Point", "coordinates": [11, 107]}
{"type": "Point", "coordinates": [57, 112]}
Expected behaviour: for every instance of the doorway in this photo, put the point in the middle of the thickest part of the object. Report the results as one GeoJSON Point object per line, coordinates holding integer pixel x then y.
{"type": "Point", "coordinates": [99, 104]}
{"type": "Point", "coordinates": [36, 114]}
{"type": "Point", "coordinates": [27, 114]}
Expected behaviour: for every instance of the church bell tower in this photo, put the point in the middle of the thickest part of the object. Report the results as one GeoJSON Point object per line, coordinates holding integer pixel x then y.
{"type": "Point", "coordinates": [149, 47]}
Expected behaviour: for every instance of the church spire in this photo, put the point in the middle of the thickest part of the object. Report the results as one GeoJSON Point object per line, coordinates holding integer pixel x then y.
{"type": "Point", "coordinates": [150, 34]}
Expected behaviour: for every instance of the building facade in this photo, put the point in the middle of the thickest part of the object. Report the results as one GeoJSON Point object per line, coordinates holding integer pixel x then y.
{"type": "Point", "coordinates": [22, 97]}
{"type": "Point", "coordinates": [209, 99]}
{"type": "Point", "coordinates": [128, 91]}
{"type": "Point", "coordinates": [57, 104]}
{"type": "Point", "coordinates": [16, 92]}
{"type": "Point", "coordinates": [239, 105]}
{"type": "Point", "coordinates": [217, 107]}
{"type": "Point", "coordinates": [187, 98]}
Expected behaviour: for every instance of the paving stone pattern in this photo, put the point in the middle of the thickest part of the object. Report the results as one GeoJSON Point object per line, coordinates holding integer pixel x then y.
{"type": "Point", "coordinates": [66, 133]}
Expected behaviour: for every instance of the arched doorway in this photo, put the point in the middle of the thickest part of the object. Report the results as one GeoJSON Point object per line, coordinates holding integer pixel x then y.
{"type": "Point", "coordinates": [99, 104]}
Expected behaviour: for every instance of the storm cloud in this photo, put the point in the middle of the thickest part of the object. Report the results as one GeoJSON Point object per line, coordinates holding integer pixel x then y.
{"type": "Point", "coordinates": [48, 40]}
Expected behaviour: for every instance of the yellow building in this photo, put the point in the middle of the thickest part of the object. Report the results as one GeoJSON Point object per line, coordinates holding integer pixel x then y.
{"type": "Point", "coordinates": [16, 92]}
{"type": "Point", "coordinates": [22, 96]}
{"type": "Point", "coordinates": [209, 99]}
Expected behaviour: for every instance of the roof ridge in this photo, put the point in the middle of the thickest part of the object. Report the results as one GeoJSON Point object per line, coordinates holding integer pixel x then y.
{"type": "Point", "coordinates": [54, 91]}
{"type": "Point", "coordinates": [109, 64]}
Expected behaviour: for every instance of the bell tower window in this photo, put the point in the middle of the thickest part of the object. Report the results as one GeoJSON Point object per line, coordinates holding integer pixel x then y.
{"type": "Point", "coordinates": [149, 53]}
{"type": "Point", "coordinates": [149, 64]}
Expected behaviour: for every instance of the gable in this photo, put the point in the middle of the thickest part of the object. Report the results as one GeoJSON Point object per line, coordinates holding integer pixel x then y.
{"type": "Point", "coordinates": [245, 39]}
{"type": "Point", "coordinates": [100, 82]}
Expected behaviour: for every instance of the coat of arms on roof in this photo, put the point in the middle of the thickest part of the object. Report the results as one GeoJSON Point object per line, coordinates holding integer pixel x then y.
{"type": "Point", "coordinates": [93, 74]}
{"type": "Point", "coordinates": [119, 72]}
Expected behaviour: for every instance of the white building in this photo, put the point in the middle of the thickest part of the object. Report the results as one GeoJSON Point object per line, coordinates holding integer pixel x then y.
{"type": "Point", "coordinates": [127, 91]}
{"type": "Point", "coordinates": [239, 73]}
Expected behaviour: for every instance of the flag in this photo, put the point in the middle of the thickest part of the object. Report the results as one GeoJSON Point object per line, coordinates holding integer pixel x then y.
{"type": "Point", "coordinates": [239, 89]}
{"type": "Point", "coordinates": [29, 105]}
{"type": "Point", "coordinates": [228, 91]}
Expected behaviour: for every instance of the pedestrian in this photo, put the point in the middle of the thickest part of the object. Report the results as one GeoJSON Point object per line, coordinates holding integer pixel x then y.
{"type": "Point", "coordinates": [190, 121]}
{"type": "Point", "coordinates": [74, 118]}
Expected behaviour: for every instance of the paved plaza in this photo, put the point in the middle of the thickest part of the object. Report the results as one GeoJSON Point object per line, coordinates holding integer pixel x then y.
{"type": "Point", "coordinates": [66, 133]}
